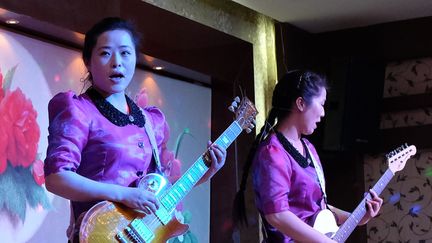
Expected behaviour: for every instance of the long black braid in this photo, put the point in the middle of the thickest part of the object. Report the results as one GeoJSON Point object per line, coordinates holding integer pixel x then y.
{"type": "Point", "coordinates": [239, 209]}
{"type": "Point", "coordinates": [292, 85]}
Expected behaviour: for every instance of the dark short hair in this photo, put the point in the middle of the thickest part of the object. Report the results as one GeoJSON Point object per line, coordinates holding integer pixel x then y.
{"type": "Point", "coordinates": [108, 24]}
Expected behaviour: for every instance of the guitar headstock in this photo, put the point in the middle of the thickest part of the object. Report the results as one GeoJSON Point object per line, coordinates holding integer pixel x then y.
{"type": "Point", "coordinates": [245, 113]}
{"type": "Point", "coordinates": [398, 157]}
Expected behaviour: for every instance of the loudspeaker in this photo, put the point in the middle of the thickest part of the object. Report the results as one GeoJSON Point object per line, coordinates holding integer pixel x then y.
{"type": "Point", "coordinates": [353, 104]}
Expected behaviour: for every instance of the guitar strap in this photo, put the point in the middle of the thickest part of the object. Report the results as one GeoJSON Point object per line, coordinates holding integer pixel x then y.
{"type": "Point", "coordinates": [150, 133]}
{"type": "Point", "coordinates": [320, 174]}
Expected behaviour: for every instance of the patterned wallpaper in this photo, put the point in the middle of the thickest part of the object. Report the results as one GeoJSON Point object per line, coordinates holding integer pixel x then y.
{"type": "Point", "coordinates": [407, 78]}
{"type": "Point", "coordinates": [406, 215]}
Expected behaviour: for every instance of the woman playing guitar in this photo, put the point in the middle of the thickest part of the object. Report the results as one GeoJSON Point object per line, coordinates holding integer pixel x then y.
{"type": "Point", "coordinates": [287, 175]}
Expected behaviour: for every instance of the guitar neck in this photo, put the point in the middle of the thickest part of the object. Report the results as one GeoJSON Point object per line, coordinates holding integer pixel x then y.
{"type": "Point", "coordinates": [191, 177]}
{"type": "Point", "coordinates": [353, 220]}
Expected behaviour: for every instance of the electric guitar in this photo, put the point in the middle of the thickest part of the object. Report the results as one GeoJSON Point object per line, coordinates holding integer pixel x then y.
{"type": "Point", "coordinates": [113, 222]}
{"type": "Point", "coordinates": [325, 221]}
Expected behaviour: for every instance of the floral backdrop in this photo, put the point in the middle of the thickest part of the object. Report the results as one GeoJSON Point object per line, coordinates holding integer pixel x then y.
{"type": "Point", "coordinates": [26, 208]}
{"type": "Point", "coordinates": [406, 215]}
{"type": "Point", "coordinates": [21, 168]}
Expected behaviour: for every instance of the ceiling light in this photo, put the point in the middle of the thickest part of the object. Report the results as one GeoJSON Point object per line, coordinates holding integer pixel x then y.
{"type": "Point", "coordinates": [12, 21]}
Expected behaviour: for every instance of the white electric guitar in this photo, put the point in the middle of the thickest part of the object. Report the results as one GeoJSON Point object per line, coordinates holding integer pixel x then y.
{"type": "Point", "coordinates": [325, 221]}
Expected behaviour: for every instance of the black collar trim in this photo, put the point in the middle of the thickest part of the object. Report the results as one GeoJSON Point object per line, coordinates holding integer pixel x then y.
{"type": "Point", "coordinates": [301, 160]}
{"type": "Point", "coordinates": [115, 116]}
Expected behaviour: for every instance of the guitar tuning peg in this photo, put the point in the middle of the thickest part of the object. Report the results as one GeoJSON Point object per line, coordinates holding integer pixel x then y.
{"type": "Point", "coordinates": [234, 104]}
{"type": "Point", "coordinates": [237, 99]}
{"type": "Point", "coordinates": [231, 108]}
{"type": "Point", "coordinates": [248, 130]}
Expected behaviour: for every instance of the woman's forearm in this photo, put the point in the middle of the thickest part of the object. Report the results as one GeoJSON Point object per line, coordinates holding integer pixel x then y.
{"type": "Point", "coordinates": [75, 187]}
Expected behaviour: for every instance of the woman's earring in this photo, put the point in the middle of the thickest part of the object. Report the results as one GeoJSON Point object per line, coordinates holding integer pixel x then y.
{"type": "Point", "coordinates": [89, 77]}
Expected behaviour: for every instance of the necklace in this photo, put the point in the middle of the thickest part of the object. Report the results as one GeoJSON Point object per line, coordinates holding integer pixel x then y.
{"type": "Point", "coordinates": [115, 116]}
{"type": "Point", "coordinates": [301, 160]}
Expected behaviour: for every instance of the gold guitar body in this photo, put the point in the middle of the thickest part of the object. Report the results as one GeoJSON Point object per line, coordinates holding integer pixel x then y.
{"type": "Point", "coordinates": [113, 222]}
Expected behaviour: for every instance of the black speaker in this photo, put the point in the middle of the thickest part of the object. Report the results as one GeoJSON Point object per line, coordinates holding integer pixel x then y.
{"type": "Point", "coordinates": [353, 104]}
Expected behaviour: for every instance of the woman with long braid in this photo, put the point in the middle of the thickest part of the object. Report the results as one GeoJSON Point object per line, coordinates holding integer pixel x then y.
{"type": "Point", "coordinates": [287, 175]}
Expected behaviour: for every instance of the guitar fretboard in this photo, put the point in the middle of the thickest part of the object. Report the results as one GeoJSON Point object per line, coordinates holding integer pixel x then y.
{"type": "Point", "coordinates": [350, 224]}
{"type": "Point", "coordinates": [191, 177]}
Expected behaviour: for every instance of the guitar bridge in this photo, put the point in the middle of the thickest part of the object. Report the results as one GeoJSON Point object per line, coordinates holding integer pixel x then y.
{"type": "Point", "coordinates": [138, 232]}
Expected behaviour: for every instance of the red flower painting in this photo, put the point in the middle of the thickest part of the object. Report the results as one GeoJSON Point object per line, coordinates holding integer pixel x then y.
{"type": "Point", "coordinates": [21, 171]}
{"type": "Point", "coordinates": [3, 146]}
{"type": "Point", "coordinates": [4, 137]}
{"type": "Point", "coordinates": [19, 123]}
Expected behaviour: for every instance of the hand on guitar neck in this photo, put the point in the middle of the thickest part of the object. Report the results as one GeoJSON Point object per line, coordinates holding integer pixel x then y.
{"type": "Point", "coordinates": [325, 221]}
{"type": "Point", "coordinates": [218, 156]}
{"type": "Point", "coordinates": [373, 206]}
{"type": "Point", "coordinates": [328, 220]}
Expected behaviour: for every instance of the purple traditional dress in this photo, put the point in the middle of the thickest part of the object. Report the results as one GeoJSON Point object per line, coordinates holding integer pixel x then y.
{"type": "Point", "coordinates": [87, 135]}
{"type": "Point", "coordinates": [282, 184]}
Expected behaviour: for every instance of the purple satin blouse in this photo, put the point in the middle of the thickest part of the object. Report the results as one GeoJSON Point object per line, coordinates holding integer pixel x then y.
{"type": "Point", "coordinates": [82, 140]}
{"type": "Point", "coordinates": [281, 184]}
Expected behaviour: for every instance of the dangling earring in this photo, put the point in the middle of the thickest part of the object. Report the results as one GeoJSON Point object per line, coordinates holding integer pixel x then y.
{"type": "Point", "coordinates": [89, 77]}
{"type": "Point", "coordinates": [87, 81]}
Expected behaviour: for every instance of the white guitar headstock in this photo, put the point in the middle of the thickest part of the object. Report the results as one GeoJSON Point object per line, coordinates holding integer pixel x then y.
{"type": "Point", "coordinates": [398, 157]}
{"type": "Point", "coordinates": [245, 113]}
